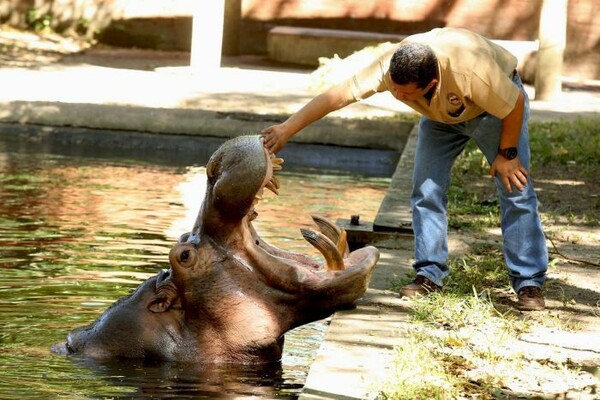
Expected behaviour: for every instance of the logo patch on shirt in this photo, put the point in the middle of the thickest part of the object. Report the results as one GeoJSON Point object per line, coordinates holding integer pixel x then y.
{"type": "Point", "coordinates": [456, 106]}
{"type": "Point", "coordinates": [454, 99]}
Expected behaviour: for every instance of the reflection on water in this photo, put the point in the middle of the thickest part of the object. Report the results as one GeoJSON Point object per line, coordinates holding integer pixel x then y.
{"type": "Point", "coordinates": [77, 233]}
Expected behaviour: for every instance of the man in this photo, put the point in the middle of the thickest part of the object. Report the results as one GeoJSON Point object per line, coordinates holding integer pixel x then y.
{"type": "Point", "coordinates": [466, 87]}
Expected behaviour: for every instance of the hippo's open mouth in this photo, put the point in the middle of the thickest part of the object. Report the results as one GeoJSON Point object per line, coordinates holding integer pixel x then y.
{"type": "Point", "coordinates": [229, 296]}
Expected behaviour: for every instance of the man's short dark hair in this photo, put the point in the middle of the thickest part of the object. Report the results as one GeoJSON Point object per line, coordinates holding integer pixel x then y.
{"type": "Point", "coordinates": [413, 63]}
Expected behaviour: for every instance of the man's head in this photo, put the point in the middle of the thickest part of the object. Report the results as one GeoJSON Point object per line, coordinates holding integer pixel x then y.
{"type": "Point", "coordinates": [413, 70]}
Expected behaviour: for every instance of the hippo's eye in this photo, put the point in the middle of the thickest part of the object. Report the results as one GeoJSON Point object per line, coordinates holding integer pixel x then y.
{"type": "Point", "coordinates": [185, 255]}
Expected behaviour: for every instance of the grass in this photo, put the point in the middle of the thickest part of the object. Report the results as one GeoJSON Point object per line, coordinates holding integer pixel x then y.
{"type": "Point", "coordinates": [462, 342]}
{"type": "Point", "coordinates": [413, 362]}
{"type": "Point", "coordinates": [554, 145]}
{"type": "Point", "coordinates": [566, 143]}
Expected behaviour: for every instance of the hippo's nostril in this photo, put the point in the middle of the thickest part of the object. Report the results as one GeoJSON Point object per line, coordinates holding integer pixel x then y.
{"type": "Point", "coordinates": [68, 347]}
{"type": "Point", "coordinates": [185, 255]}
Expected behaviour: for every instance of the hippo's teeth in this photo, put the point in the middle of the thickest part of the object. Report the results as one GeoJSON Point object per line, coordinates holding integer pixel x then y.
{"type": "Point", "coordinates": [276, 163]}
{"type": "Point", "coordinates": [253, 214]}
{"type": "Point", "coordinates": [275, 182]}
{"type": "Point", "coordinates": [259, 195]}
{"type": "Point", "coordinates": [276, 160]}
{"type": "Point", "coordinates": [271, 186]}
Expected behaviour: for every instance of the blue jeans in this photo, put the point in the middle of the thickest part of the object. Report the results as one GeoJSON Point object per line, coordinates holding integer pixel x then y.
{"type": "Point", "coordinates": [438, 146]}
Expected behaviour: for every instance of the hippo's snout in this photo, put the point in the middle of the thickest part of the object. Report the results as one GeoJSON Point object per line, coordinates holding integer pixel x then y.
{"type": "Point", "coordinates": [73, 340]}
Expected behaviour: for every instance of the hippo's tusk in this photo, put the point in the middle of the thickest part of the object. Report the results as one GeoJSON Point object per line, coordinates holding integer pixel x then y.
{"type": "Point", "coordinates": [333, 258]}
{"type": "Point", "coordinates": [333, 232]}
{"type": "Point", "coordinates": [342, 244]}
{"type": "Point", "coordinates": [275, 181]}
{"type": "Point", "coordinates": [271, 186]}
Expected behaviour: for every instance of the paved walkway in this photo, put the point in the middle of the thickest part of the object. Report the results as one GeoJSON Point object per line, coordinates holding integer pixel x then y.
{"type": "Point", "coordinates": [156, 92]}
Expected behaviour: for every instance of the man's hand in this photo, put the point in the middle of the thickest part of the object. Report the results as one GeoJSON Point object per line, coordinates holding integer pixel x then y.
{"type": "Point", "coordinates": [510, 172]}
{"type": "Point", "coordinates": [275, 138]}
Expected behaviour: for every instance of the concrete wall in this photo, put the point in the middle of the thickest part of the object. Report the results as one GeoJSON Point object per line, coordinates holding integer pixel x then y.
{"type": "Point", "coordinates": [496, 19]}
{"type": "Point", "coordinates": [166, 24]}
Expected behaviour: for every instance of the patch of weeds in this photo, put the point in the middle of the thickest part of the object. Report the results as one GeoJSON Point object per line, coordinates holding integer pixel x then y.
{"type": "Point", "coordinates": [483, 268]}
{"type": "Point", "coordinates": [469, 211]}
{"type": "Point", "coordinates": [37, 20]}
{"type": "Point", "coordinates": [591, 219]}
{"type": "Point", "coordinates": [461, 347]}
{"type": "Point", "coordinates": [557, 321]}
{"type": "Point", "coordinates": [458, 340]}
{"type": "Point", "coordinates": [455, 311]}
{"type": "Point", "coordinates": [555, 287]}
{"type": "Point", "coordinates": [398, 282]}
{"type": "Point", "coordinates": [460, 335]}
{"type": "Point", "coordinates": [566, 142]}
{"type": "Point", "coordinates": [417, 373]}
{"type": "Point", "coordinates": [451, 310]}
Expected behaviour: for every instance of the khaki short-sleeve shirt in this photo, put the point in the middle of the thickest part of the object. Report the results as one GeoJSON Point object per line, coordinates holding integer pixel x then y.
{"type": "Point", "coordinates": [475, 76]}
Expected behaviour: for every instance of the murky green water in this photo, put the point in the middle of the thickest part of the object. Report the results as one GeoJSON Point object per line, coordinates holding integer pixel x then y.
{"type": "Point", "coordinates": [77, 233]}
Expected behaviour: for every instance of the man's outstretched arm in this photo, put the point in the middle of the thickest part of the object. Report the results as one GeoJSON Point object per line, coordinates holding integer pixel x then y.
{"type": "Point", "coordinates": [276, 136]}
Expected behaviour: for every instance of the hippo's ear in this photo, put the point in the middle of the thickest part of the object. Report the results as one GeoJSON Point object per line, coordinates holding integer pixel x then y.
{"type": "Point", "coordinates": [165, 297]}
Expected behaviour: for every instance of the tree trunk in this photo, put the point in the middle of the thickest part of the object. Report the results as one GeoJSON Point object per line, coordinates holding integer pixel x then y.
{"type": "Point", "coordinates": [207, 37]}
{"type": "Point", "coordinates": [552, 41]}
{"type": "Point", "coordinates": [231, 30]}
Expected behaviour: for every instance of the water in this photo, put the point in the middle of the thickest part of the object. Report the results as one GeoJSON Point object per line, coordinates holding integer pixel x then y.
{"type": "Point", "coordinates": [77, 232]}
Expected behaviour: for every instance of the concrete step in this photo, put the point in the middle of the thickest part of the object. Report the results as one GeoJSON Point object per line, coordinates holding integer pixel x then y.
{"type": "Point", "coordinates": [394, 214]}
{"type": "Point", "coordinates": [304, 46]}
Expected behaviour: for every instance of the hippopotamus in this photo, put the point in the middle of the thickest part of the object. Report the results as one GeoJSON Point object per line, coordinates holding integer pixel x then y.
{"type": "Point", "coordinates": [228, 296]}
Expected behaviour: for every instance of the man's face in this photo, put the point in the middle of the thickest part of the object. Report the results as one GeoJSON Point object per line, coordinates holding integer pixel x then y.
{"type": "Point", "coordinates": [410, 91]}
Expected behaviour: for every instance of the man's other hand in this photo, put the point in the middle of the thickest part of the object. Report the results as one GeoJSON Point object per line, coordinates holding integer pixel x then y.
{"type": "Point", "coordinates": [510, 172]}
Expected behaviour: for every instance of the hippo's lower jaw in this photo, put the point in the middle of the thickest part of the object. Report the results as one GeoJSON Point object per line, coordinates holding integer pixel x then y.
{"type": "Point", "coordinates": [229, 297]}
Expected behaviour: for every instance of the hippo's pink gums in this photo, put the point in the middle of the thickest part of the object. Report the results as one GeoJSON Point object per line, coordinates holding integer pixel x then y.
{"type": "Point", "coordinates": [229, 296]}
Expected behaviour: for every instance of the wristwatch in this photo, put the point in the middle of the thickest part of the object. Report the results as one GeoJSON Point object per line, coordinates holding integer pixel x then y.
{"type": "Point", "coordinates": [509, 153]}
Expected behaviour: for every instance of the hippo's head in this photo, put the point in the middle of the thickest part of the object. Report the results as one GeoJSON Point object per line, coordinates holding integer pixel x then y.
{"type": "Point", "coordinates": [229, 296]}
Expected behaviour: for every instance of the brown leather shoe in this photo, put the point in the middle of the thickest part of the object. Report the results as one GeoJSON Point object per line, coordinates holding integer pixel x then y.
{"type": "Point", "coordinates": [531, 298]}
{"type": "Point", "coordinates": [420, 286]}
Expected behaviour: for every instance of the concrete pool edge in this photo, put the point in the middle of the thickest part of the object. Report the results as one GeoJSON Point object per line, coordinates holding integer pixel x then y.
{"type": "Point", "coordinates": [358, 348]}
{"type": "Point", "coordinates": [360, 132]}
